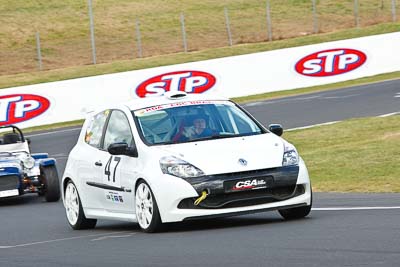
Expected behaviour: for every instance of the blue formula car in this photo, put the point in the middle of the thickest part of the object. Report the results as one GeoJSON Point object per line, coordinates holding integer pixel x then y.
{"type": "Point", "coordinates": [22, 172]}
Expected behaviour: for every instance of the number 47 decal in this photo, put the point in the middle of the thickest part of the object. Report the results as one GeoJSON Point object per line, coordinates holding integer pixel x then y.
{"type": "Point", "coordinates": [107, 170]}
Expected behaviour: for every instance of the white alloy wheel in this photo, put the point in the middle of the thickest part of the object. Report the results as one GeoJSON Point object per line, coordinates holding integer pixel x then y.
{"type": "Point", "coordinates": [72, 204]}
{"type": "Point", "coordinates": [146, 208]}
{"type": "Point", "coordinates": [73, 208]}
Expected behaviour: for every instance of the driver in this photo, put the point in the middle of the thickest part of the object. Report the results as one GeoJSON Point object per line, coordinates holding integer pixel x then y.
{"type": "Point", "coordinates": [198, 129]}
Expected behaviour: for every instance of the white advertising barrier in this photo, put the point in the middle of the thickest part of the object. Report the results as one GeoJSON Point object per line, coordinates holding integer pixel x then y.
{"type": "Point", "coordinates": [235, 76]}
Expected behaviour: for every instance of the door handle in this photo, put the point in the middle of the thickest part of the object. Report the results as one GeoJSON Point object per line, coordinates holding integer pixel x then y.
{"type": "Point", "coordinates": [98, 163]}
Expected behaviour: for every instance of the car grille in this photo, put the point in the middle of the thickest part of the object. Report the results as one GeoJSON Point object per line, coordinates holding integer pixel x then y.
{"type": "Point", "coordinates": [282, 177]}
{"type": "Point", "coordinates": [243, 199]}
{"type": "Point", "coordinates": [9, 182]}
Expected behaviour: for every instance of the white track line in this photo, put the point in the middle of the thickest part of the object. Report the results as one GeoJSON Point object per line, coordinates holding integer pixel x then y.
{"type": "Point", "coordinates": [356, 208]}
{"type": "Point", "coordinates": [59, 240]}
{"type": "Point", "coordinates": [311, 126]}
{"type": "Point", "coordinates": [389, 114]}
{"type": "Point", "coordinates": [111, 236]}
{"type": "Point", "coordinates": [339, 97]}
{"type": "Point", "coordinates": [54, 132]}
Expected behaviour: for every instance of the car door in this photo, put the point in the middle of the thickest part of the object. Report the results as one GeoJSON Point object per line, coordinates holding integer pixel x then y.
{"type": "Point", "coordinates": [118, 170]}
{"type": "Point", "coordinates": [90, 171]}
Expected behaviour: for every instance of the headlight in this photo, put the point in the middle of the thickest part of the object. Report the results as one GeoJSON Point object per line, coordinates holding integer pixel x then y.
{"type": "Point", "coordinates": [29, 162]}
{"type": "Point", "coordinates": [290, 156]}
{"type": "Point", "coordinates": [179, 168]}
{"type": "Point", "coordinates": [26, 160]}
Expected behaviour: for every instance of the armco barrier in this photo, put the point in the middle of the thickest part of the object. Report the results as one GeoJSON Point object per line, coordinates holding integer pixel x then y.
{"type": "Point", "coordinates": [243, 75]}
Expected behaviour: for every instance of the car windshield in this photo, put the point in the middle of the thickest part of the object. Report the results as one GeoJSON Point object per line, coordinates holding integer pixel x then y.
{"type": "Point", "coordinates": [193, 121]}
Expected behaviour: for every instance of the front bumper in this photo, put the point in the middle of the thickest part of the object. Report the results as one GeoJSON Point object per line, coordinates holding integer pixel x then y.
{"type": "Point", "coordinates": [10, 185]}
{"type": "Point", "coordinates": [286, 187]}
{"type": "Point", "coordinates": [280, 184]}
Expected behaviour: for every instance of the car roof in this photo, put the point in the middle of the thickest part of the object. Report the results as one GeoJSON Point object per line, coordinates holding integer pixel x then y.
{"type": "Point", "coordinates": [140, 103]}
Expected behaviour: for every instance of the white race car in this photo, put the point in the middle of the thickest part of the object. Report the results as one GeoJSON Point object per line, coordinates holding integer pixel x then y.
{"type": "Point", "coordinates": [181, 157]}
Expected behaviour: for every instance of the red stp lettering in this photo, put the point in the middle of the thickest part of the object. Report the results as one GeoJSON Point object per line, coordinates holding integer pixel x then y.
{"type": "Point", "coordinates": [187, 81]}
{"type": "Point", "coordinates": [330, 62]}
{"type": "Point", "coordinates": [21, 107]}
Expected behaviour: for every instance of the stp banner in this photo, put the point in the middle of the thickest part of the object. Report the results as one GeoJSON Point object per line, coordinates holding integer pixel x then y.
{"type": "Point", "coordinates": [235, 76]}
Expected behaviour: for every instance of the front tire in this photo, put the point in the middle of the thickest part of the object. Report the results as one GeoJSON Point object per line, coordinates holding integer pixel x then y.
{"type": "Point", "coordinates": [146, 209]}
{"type": "Point", "coordinates": [296, 213]}
{"type": "Point", "coordinates": [51, 184]}
{"type": "Point", "coordinates": [73, 208]}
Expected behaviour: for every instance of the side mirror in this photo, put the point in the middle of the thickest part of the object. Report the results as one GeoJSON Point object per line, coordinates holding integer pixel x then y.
{"type": "Point", "coordinates": [276, 129]}
{"type": "Point", "coordinates": [122, 149]}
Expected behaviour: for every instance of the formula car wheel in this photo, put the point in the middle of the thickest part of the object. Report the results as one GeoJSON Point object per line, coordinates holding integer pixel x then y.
{"type": "Point", "coordinates": [296, 213]}
{"type": "Point", "coordinates": [147, 213]}
{"type": "Point", "coordinates": [73, 208]}
{"type": "Point", "coordinates": [51, 184]}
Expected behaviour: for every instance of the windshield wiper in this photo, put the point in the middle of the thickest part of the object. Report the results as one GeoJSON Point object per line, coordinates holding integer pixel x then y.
{"type": "Point", "coordinates": [167, 143]}
{"type": "Point", "coordinates": [214, 136]}
{"type": "Point", "coordinates": [211, 137]}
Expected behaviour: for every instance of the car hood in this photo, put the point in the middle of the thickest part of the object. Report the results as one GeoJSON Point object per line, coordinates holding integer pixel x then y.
{"type": "Point", "coordinates": [9, 158]}
{"type": "Point", "coordinates": [225, 155]}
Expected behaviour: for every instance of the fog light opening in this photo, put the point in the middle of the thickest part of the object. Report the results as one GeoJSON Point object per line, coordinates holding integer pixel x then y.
{"type": "Point", "coordinates": [203, 196]}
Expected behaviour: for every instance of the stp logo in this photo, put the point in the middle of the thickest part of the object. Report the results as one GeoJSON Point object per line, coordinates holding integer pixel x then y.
{"type": "Point", "coordinates": [21, 107]}
{"type": "Point", "coordinates": [330, 62]}
{"type": "Point", "coordinates": [188, 81]}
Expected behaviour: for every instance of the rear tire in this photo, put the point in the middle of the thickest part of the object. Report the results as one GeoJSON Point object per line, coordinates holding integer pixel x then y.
{"type": "Point", "coordinates": [74, 211]}
{"type": "Point", "coordinates": [296, 213]}
{"type": "Point", "coordinates": [51, 190]}
{"type": "Point", "coordinates": [146, 209]}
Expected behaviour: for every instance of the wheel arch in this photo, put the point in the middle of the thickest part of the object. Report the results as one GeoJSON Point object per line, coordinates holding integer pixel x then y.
{"type": "Point", "coordinates": [46, 162]}
{"type": "Point", "coordinates": [65, 182]}
{"type": "Point", "coordinates": [138, 180]}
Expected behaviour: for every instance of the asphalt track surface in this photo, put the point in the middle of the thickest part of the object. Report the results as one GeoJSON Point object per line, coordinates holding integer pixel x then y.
{"type": "Point", "coordinates": [342, 230]}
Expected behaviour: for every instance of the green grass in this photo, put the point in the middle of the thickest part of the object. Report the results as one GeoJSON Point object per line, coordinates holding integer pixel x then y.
{"type": "Point", "coordinates": [357, 155]}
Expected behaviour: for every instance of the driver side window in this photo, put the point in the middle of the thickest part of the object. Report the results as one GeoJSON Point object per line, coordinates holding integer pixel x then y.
{"type": "Point", "coordinates": [118, 130]}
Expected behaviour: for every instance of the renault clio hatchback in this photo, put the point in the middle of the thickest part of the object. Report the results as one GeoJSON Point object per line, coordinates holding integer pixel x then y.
{"type": "Point", "coordinates": [180, 157]}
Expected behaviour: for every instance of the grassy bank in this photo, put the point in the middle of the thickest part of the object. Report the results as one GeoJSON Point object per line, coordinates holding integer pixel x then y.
{"type": "Point", "coordinates": [358, 155]}
{"type": "Point", "coordinates": [65, 32]}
